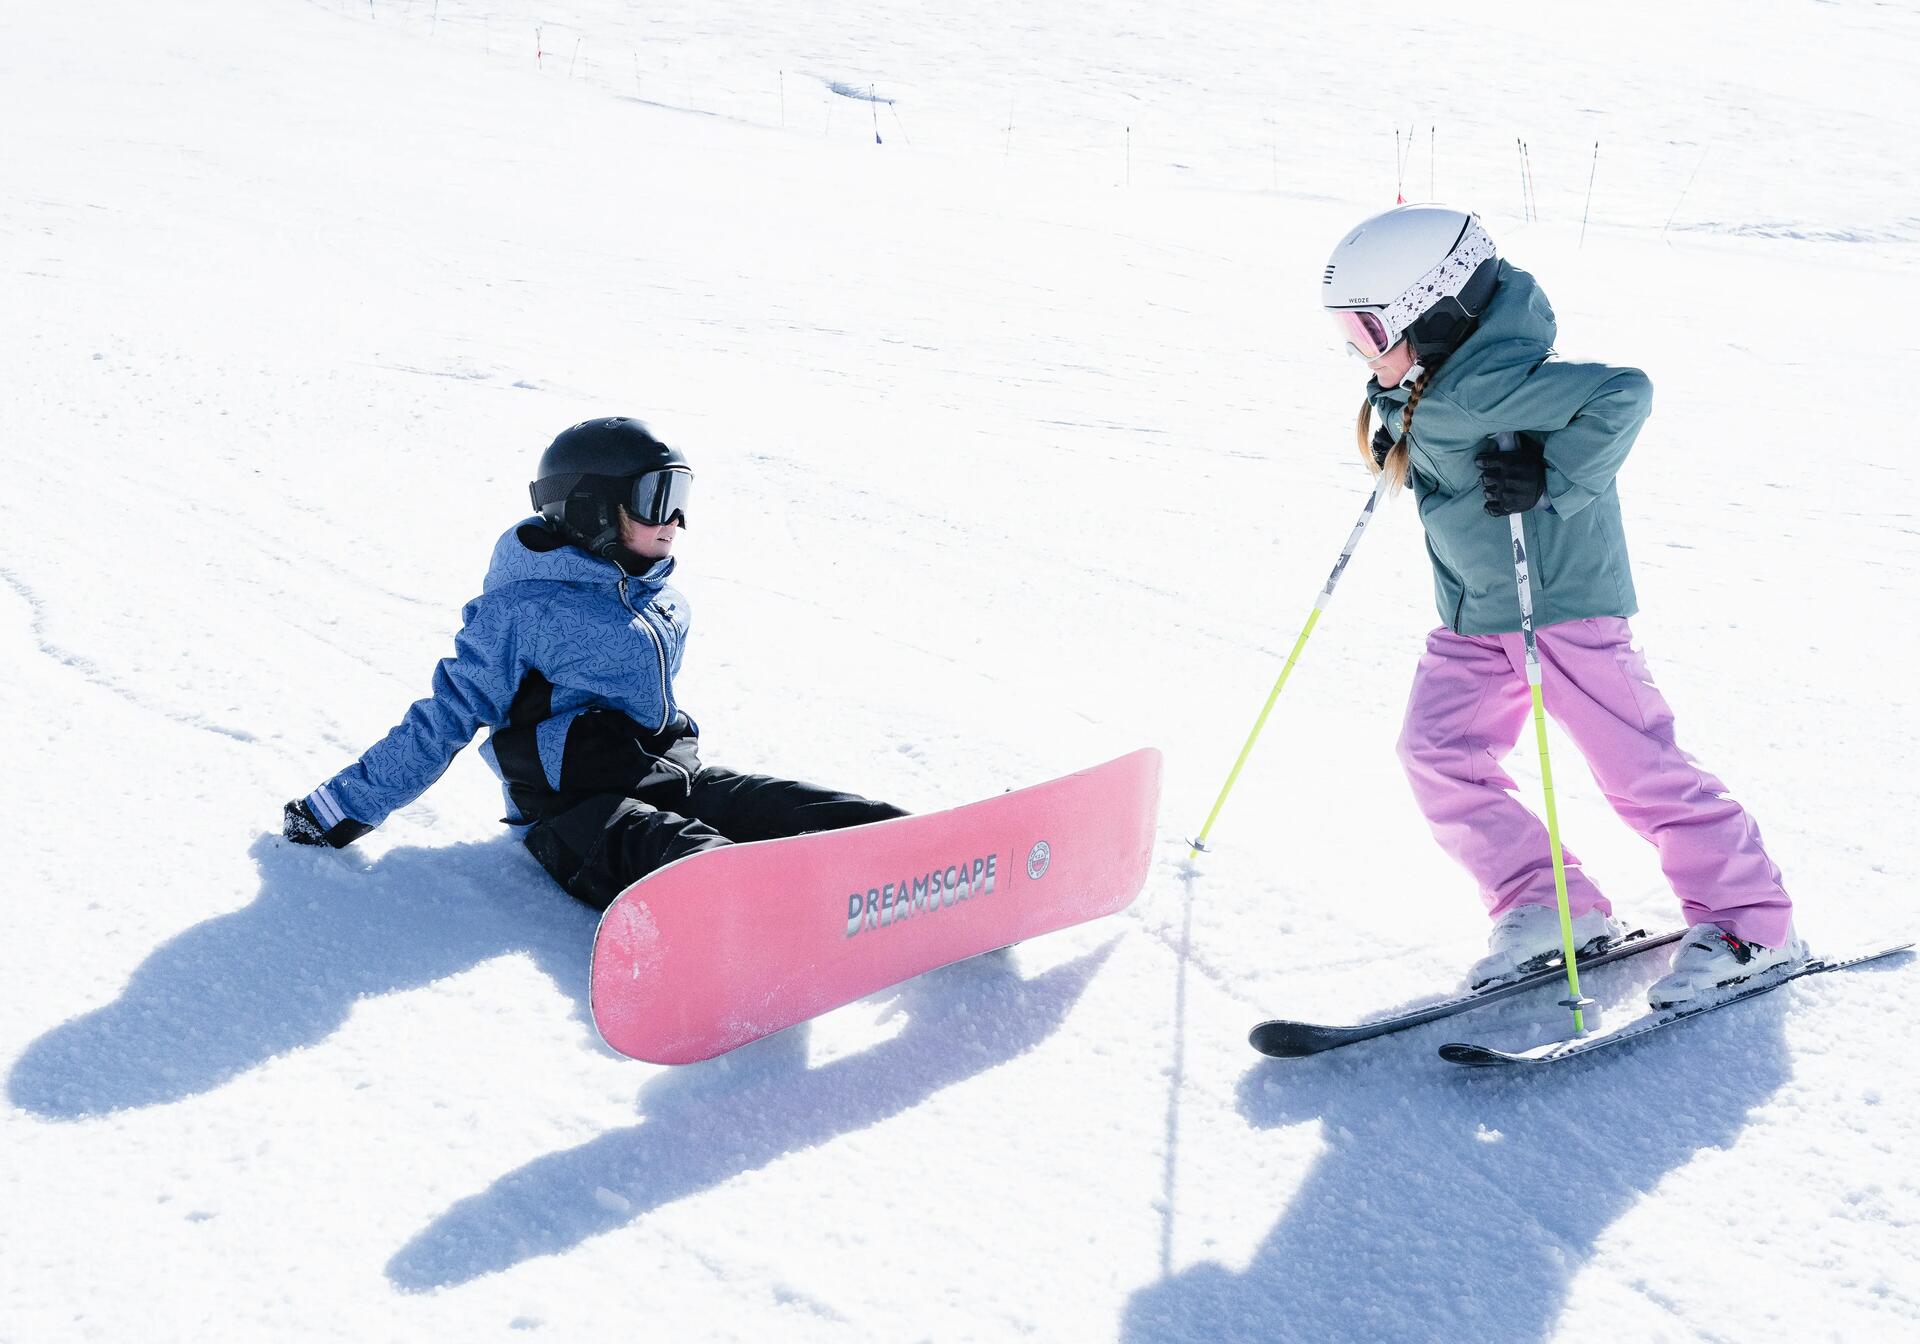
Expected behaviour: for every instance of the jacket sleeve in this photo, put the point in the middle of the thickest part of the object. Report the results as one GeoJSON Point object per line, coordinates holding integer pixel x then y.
{"type": "Point", "coordinates": [1587, 417]}
{"type": "Point", "coordinates": [471, 689]}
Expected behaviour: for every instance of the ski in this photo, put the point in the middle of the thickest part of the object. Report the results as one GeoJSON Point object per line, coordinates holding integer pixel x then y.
{"type": "Point", "coordinates": [1481, 1056]}
{"type": "Point", "coordinates": [1291, 1040]}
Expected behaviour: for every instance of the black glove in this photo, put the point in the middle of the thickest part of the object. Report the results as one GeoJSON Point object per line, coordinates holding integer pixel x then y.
{"type": "Point", "coordinates": [299, 825]}
{"type": "Point", "coordinates": [1516, 480]}
{"type": "Point", "coordinates": [1383, 442]}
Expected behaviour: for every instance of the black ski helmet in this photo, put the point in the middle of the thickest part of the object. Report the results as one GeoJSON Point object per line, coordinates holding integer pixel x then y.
{"type": "Point", "coordinates": [592, 469]}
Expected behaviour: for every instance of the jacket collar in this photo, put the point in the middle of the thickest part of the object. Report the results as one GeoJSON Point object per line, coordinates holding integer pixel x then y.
{"type": "Point", "coordinates": [530, 552]}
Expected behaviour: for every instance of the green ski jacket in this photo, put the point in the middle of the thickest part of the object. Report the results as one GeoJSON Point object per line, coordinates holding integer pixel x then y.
{"type": "Point", "coordinates": [1506, 377]}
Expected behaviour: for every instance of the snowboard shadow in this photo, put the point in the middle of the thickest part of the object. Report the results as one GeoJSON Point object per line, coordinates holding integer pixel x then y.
{"type": "Point", "coordinates": [285, 971]}
{"type": "Point", "coordinates": [705, 1124]}
{"type": "Point", "coordinates": [1458, 1204]}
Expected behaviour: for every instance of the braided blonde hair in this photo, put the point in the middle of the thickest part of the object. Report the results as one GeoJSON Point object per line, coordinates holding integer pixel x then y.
{"type": "Point", "coordinates": [1397, 465]}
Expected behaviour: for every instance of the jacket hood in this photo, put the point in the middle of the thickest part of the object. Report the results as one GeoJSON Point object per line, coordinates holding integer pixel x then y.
{"type": "Point", "coordinates": [531, 552]}
{"type": "Point", "coordinates": [1513, 336]}
{"type": "Point", "coordinates": [1518, 328]}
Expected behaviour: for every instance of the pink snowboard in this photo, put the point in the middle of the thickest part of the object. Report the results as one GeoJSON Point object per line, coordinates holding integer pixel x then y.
{"type": "Point", "coordinates": [724, 947]}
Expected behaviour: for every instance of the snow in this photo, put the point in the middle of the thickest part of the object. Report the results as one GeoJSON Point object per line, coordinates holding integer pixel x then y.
{"type": "Point", "coordinates": [1021, 443]}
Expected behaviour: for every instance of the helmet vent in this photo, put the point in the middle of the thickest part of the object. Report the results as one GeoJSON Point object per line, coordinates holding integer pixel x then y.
{"type": "Point", "coordinates": [1329, 277]}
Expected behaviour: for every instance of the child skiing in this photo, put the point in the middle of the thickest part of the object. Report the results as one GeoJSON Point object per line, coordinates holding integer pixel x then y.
{"type": "Point", "coordinates": [568, 658]}
{"type": "Point", "coordinates": [1460, 346]}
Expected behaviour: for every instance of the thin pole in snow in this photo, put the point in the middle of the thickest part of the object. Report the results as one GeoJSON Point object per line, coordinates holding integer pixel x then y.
{"type": "Point", "coordinates": [1433, 140]}
{"type": "Point", "coordinates": [1129, 156]}
{"type": "Point", "coordinates": [873, 106]}
{"type": "Point", "coordinates": [783, 99]}
{"type": "Point", "coordinates": [1520, 153]}
{"type": "Point", "coordinates": [1684, 190]}
{"type": "Point", "coordinates": [1591, 173]}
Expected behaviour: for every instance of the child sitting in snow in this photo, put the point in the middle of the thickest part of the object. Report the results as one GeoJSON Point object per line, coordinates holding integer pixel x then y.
{"type": "Point", "coordinates": [568, 658]}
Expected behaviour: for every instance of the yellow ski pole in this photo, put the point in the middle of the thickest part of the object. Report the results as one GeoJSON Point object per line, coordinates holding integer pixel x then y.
{"type": "Point", "coordinates": [1199, 842]}
{"type": "Point", "coordinates": [1523, 580]}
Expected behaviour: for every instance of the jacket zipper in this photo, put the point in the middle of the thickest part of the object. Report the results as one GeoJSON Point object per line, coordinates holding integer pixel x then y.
{"type": "Point", "coordinates": [666, 689]}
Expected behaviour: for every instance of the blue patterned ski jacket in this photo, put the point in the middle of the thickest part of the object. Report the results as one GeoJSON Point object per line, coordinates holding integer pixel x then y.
{"type": "Point", "coordinates": [555, 633]}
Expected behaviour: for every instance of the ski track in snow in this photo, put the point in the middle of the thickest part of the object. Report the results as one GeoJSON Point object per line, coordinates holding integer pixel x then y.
{"type": "Point", "coordinates": [94, 673]}
{"type": "Point", "coordinates": [1021, 443]}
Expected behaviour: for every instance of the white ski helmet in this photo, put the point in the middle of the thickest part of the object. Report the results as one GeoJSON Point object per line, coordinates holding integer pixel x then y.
{"type": "Point", "coordinates": [1419, 271]}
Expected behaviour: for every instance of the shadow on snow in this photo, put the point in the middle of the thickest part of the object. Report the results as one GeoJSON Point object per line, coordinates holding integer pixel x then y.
{"type": "Point", "coordinates": [706, 1123]}
{"type": "Point", "coordinates": [283, 972]}
{"type": "Point", "coordinates": [1454, 1204]}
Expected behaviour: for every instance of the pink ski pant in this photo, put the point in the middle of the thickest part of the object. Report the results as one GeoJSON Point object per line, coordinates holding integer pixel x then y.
{"type": "Point", "coordinates": [1469, 704]}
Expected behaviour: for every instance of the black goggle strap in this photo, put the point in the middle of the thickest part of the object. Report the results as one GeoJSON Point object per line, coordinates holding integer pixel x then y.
{"type": "Point", "coordinates": [552, 490]}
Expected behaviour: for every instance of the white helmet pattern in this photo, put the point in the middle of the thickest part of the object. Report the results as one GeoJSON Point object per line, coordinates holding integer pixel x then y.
{"type": "Point", "coordinates": [1400, 264]}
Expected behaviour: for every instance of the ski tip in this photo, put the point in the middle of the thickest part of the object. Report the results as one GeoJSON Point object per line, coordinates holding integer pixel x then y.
{"type": "Point", "coordinates": [1473, 1056]}
{"type": "Point", "coordinates": [1285, 1040]}
{"type": "Point", "coordinates": [1270, 1042]}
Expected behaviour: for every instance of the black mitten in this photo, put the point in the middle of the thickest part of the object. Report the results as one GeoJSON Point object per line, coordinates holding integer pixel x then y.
{"type": "Point", "coordinates": [299, 825]}
{"type": "Point", "coordinates": [1383, 442]}
{"type": "Point", "coordinates": [1514, 481]}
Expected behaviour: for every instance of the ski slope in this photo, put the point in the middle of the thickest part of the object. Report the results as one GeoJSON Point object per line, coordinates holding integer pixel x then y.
{"type": "Point", "coordinates": [1021, 442]}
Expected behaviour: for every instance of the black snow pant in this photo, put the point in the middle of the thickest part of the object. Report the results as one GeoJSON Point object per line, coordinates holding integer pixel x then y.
{"type": "Point", "coordinates": [600, 844]}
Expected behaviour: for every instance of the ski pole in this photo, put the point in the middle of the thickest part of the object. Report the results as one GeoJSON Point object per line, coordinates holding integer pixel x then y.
{"type": "Point", "coordinates": [1199, 842]}
{"type": "Point", "coordinates": [1591, 173]}
{"type": "Point", "coordinates": [1523, 580]}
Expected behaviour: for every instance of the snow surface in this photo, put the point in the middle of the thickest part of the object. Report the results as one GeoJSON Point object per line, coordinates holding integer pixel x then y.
{"type": "Point", "coordinates": [1021, 443]}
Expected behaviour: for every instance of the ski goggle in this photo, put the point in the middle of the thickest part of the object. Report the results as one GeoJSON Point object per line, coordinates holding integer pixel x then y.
{"type": "Point", "coordinates": [656, 497]}
{"type": "Point", "coordinates": [1366, 333]}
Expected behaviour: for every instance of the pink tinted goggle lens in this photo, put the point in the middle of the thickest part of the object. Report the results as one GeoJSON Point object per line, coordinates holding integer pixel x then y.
{"type": "Point", "coordinates": [1364, 331]}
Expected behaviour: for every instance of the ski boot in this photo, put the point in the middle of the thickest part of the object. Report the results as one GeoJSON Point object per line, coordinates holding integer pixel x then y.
{"type": "Point", "coordinates": [1710, 959]}
{"type": "Point", "coordinates": [1527, 939]}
